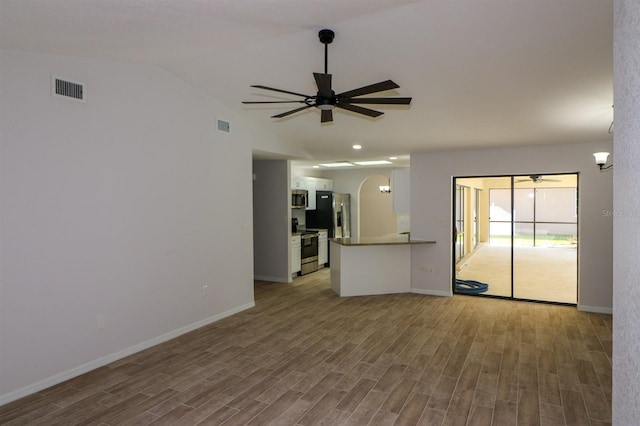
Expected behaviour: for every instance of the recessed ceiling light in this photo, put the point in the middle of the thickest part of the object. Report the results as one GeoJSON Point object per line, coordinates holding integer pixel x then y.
{"type": "Point", "coordinates": [357, 146]}
{"type": "Point", "coordinates": [341, 164]}
{"type": "Point", "coordinates": [372, 163]}
{"type": "Point", "coordinates": [316, 167]}
{"type": "Point", "coordinates": [393, 158]}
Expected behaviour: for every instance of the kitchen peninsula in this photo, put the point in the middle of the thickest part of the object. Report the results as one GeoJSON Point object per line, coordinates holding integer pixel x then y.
{"type": "Point", "coordinates": [367, 266]}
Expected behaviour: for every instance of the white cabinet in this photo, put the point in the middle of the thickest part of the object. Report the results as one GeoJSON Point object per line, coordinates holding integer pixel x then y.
{"type": "Point", "coordinates": [323, 248]}
{"type": "Point", "coordinates": [309, 183]}
{"type": "Point", "coordinates": [311, 195]}
{"type": "Point", "coordinates": [295, 254]}
{"type": "Point", "coordinates": [298, 182]}
{"type": "Point", "coordinates": [324, 184]}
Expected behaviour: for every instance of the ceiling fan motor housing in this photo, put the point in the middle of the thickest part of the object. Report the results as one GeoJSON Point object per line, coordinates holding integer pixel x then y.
{"type": "Point", "coordinates": [325, 103]}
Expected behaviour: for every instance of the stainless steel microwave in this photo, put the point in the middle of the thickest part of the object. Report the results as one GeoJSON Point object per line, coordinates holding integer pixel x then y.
{"type": "Point", "coordinates": [299, 199]}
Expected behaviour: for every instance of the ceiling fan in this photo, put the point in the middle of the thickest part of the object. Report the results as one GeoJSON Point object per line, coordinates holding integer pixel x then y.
{"type": "Point", "coordinates": [326, 99]}
{"type": "Point", "coordinates": [537, 179]}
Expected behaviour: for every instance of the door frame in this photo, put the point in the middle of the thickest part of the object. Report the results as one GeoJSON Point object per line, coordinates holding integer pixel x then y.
{"type": "Point", "coordinates": [512, 177]}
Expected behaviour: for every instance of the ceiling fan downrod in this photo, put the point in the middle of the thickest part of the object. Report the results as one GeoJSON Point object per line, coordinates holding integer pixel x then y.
{"type": "Point", "coordinates": [326, 37]}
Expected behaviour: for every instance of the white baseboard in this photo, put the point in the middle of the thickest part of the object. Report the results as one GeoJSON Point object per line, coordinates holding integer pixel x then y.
{"type": "Point", "coordinates": [431, 292]}
{"type": "Point", "coordinates": [596, 309]}
{"type": "Point", "coordinates": [271, 279]}
{"type": "Point", "coordinates": [100, 362]}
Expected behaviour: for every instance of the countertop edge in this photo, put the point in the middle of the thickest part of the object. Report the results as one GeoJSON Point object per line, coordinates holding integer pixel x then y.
{"type": "Point", "coordinates": [379, 243]}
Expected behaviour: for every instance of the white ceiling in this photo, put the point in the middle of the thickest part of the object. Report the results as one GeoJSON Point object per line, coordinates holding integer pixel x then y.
{"type": "Point", "coordinates": [482, 73]}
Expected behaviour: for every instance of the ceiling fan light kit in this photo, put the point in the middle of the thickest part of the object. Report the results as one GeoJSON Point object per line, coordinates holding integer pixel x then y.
{"type": "Point", "coordinates": [326, 99]}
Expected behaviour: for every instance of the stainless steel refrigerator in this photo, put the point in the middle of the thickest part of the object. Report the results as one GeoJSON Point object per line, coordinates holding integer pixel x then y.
{"type": "Point", "coordinates": [333, 212]}
{"type": "Point", "coordinates": [341, 215]}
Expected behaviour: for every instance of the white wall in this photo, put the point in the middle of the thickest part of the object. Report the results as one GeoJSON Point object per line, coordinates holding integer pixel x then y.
{"type": "Point", "coordinates": [626, 221]}
{"type": "Point", "coordinates": [271, 220]}
{"type": "Point", "coordinates": [431, 180]}
{"type": "Point", "coordinates": [122, 208]}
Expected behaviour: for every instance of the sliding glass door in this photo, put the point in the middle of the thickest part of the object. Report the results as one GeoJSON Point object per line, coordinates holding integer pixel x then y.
{"type": "Point", "coordinates": [525, 236]}
{"type": "Point", "coordinates": [459, 226]}
{"type": "Point", "coordinates": [545, 254]}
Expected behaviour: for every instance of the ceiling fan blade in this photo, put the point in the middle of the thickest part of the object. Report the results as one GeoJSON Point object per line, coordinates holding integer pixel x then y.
{"type": "Point", "coordinates": [360, 110]}
{"type": "Point", "coordinates": [390, 101]}
{"type": "Point", "coordinates": [327, 115]}
{"type": "Point", "coordinates": [280, 90]}
{"type": "Point", "coordinates": [323, 81]}
{"type": "Point", "coordinates": [293, 111]}
{"type": "Point", "coordinates": [372, 88]}
{"type": "Point", "coordinates": [273, 102]}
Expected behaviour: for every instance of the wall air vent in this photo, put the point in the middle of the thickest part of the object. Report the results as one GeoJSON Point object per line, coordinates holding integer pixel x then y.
{"type": "Point", "coordinates": [67, 89]}
{"type": "Point", "coordinates": [223, 126]}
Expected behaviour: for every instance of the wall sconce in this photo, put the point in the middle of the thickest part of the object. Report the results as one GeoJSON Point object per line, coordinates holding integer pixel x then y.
{"type": "Point", "coordinates": [601, 160]}
{"type": "Point", "coordinates": [386, 189]}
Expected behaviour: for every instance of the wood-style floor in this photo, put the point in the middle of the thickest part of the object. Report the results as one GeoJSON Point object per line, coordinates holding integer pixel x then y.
{"type": "Point", "coordinates": [304, 356]}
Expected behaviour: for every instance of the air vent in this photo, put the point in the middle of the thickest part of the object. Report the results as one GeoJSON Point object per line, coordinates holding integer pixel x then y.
{"type": "Point", "coordinates": [223, 126]}
{"type": "Point", "coordinates": [67, 89]}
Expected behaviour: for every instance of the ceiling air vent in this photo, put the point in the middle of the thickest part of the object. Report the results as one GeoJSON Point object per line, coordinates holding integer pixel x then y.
{"type": "Point", "coordinates": [68, 89]}
{"type": "Point", "coordinates": [223, 126]}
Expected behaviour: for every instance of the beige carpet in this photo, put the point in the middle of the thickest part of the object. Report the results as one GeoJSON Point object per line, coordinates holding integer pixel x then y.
{"type": "Point", "coordinates": [540, 273]}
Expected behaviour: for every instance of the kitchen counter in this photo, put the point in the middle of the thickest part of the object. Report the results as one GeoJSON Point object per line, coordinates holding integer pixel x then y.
{"type": "Point", "coordinates": [377, 241]}
{"type": "Point", "coordinates": [367, 266]}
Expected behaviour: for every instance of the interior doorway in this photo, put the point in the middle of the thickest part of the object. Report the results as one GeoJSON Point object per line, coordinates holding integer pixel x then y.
{"type": "Point", "coordinates": [517, 237]}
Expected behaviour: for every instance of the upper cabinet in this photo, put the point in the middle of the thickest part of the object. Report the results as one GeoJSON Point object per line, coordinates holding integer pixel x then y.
{"type": "Point", "coordinates": [298, 182]}
{"type": "Point", "coordinates": [324, 184]}
{"type": "Point", "coordinates": [311, 195]}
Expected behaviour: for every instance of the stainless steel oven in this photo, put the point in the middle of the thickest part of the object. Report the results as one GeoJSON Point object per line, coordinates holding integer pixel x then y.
{"type": "Point", "coordinates": [309, 253]}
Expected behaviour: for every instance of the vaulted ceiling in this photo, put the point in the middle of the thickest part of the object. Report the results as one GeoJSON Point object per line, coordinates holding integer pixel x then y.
{"type": "Point", "coordinates": [482, 73]}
